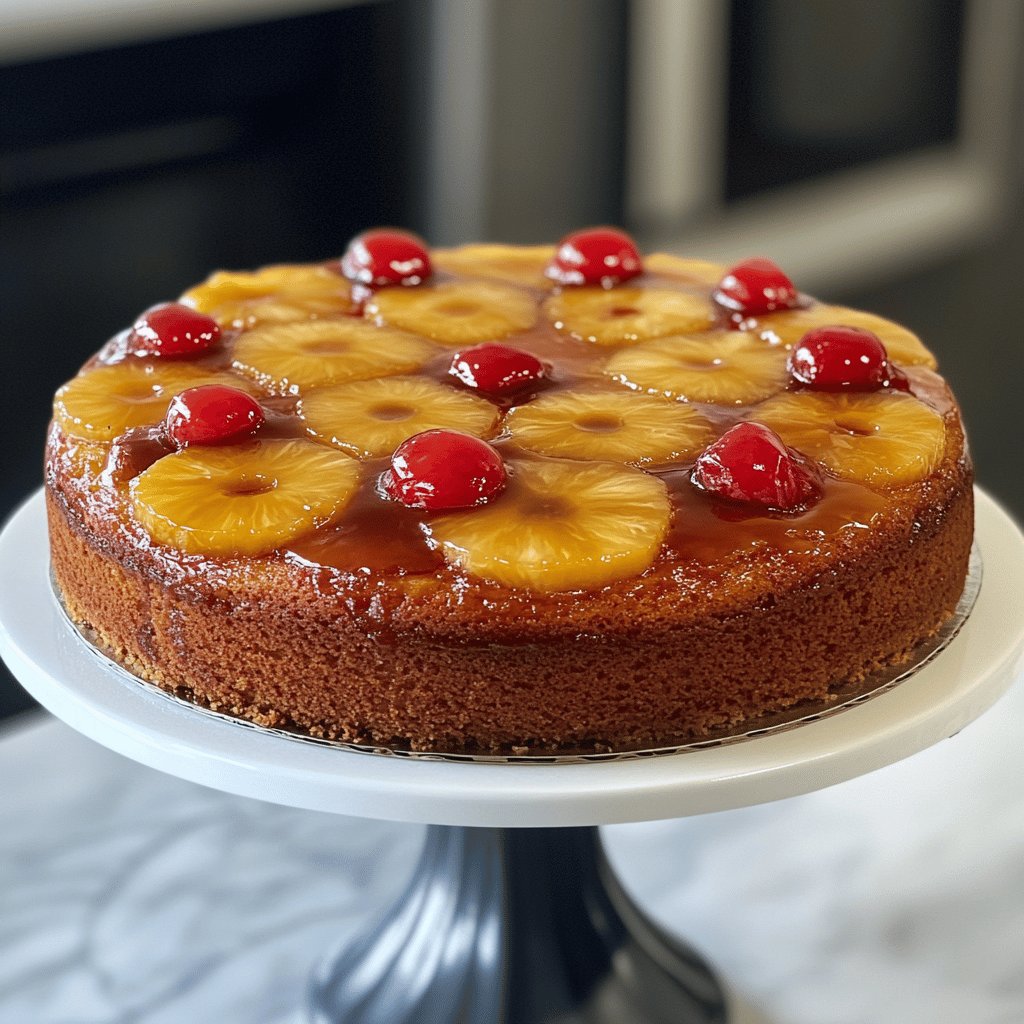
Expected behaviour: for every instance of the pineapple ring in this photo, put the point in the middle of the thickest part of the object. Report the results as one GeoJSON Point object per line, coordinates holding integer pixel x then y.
{"type": "Point", "coordinates": [882, 439]}
{"type": "Point", "coordinates": [560, 526]}
{"type": "Point", "coordinates": [288, 359]}
{"type": "Point", "coordinates": [522, 265]}
{"type": "Point", "coordinates": [693, 271]}
{"type": "Point", "coordinates": [244, 499]}
{"type": "Point", "coordinates": [277, 294]}
{"type": "Point", "coordinates": [626, 316]}
{"type": "Point", "coordinates": [637, 430]}
{"type": "Point", "coordinates": [371, 418]}
{"type": "Point", "coordinates": [454, 313]}
{"type": "Point", "coordinates": [902, 345]}
{"type": "Point", "coordinates": [103, 402]}
{"type": "Point", "coordinates": [723, 368]}
{"type": "Point", "coordinates": [84, 461]}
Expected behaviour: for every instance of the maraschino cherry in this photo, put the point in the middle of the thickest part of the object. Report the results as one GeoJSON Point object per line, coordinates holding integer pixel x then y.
{"type": "Point", "coordinates": [384, 257]}
{"type": "Point", "coordinates": [754, 287]}
{"type": "Point", "coordinates": [173, 331]}
{"type": "Point", "coordinates": [751, 464]}
{"type": "Point", "coordinates": [212, 414]}
{"type": "Point", "coordinates": [843, 359]}
{"type": "Point", "coordinates": [596, 256]}
{"type": "Point", "coordinates": [444, 469]}
{"type": "Point", "coordinates": [496, 369]}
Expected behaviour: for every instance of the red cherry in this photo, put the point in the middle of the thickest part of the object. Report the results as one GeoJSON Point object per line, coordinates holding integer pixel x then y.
{"type": "Point", "coordinates": [840, 359]}
{"type": "Point", "coordinates": [601, 256]}
{"type": "Point", "coordinates": [443, 469]}
{"type": "Point", "coordinates": [173, 331]}
{"type": "Point", "coordinates": [384, 256]}
{"type": "Point", "coordinates": [754, 287]}
{"type": "Point", "coordinates": [212, 414]}
{"type": "Point", "coordinates": [750, 463]}
{"type": "Point", "coordinates": [494, 368]}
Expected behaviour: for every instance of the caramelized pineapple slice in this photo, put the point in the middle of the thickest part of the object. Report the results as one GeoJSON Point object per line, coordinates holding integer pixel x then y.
{"type": "Point", "coordinates": [290, 359]}
{"type": "Point", "coordinates": [273, 295]}
{"type": "Point", "coordinates": [373, 417]}
{"type": "Point", "coordinates": [901, 344]}
{"type": "Point", "coordinates": [244, 499]}
{"type": "Point", "coordinates": [513, 264]}
{"type": "Point", "coordinates": [628, 316]}
{"type": "Point", "coordinates": [721, 367]}
{"type": "Point", "coordinates": [882, 439]}
{"type": "Point", "coordinates": [560, 526]}
{"type": "Point", "coordinates": [454, 313]}
{"type": "Point", "coordinates": [636, 430]}
{"type": "Point", "coordinates": [105, 401]}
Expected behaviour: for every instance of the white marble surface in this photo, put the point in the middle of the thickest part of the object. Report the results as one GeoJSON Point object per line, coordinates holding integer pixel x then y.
{"type": "Point", "coordinates": [136, 898]}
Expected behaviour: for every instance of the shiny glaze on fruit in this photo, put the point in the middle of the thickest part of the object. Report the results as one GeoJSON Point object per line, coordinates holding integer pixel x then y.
{"type": "Point", "coordinates": [376, 537]}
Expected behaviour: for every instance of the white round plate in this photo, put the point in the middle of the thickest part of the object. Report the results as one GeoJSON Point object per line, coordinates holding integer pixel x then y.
{"type": "Point", "coordinates": [64, 674]}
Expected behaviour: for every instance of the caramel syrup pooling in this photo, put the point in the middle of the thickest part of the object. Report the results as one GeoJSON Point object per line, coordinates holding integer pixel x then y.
{"type": "Point", "coordinates": [377, 536]}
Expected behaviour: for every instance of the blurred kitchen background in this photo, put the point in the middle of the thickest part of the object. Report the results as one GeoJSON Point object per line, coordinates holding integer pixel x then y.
{"type": "Point", "coordinates": [874, 149]}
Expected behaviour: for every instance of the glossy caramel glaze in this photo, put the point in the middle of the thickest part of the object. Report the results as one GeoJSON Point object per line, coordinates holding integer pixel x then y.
{"type": "Point", "coordinates": [359, 630]}
{"type": "Point", "coordinates": [375, 537]}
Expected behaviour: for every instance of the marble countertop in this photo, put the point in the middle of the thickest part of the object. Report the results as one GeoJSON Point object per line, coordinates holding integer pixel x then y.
{"type": "Point", "coordinates": [130, 897]}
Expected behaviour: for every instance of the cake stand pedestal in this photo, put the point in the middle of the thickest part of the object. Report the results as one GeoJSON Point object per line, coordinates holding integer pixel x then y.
{"type": "Point", "coordinates": [514, 925]}
{"type": "Point", "coordinates": [513, 915]}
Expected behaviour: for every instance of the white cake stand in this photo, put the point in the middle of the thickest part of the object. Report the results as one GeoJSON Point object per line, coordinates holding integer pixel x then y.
{"type": "Point", "coordinates": [519, 921]}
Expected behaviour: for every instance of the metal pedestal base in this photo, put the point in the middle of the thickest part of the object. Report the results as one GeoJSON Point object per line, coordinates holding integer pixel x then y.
{"type": "Point", "coordinates": [514, 926]}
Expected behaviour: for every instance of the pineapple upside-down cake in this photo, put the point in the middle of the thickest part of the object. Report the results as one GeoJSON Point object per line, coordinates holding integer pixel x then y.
{"type": "Point", "coordinates": [508, 499]}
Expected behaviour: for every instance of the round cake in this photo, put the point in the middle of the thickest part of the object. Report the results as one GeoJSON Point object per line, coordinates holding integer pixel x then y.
{"type": "Point", "coordinates": [503, 499]}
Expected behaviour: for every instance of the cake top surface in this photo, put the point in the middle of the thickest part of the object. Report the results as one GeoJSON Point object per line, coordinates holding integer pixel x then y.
{"type": "Point", "coordinates": [545, 418]}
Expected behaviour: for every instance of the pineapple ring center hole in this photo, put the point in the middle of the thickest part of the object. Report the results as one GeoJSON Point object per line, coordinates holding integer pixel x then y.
{"type": "Point", "coordinates": [698, 365]}
{"type": "Point", "coordinates": [248, 486]}
{"type": "Point", "coordinates": [536, 505]}
{"type": "Point", "coordinates": [390, 411]}
{"type": "Point", "coordinates": [855, 428]}
{"type": "Point", "coordinates": [620, 311]}
{"type": "Point", "coordinates": [455, 308]}
{"type": "Point", "coordinates": [599, 423]}
{"type": "Point", "coordinates": [328, 348]}
{"type": "Point", "coordinates": [142, 394]}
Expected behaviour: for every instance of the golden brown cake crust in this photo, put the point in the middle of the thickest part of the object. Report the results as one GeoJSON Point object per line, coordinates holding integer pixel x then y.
{"type": "Point", "coordinates": [441, 660]}
{"type": "Point", "coordinates": [451, 664]}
